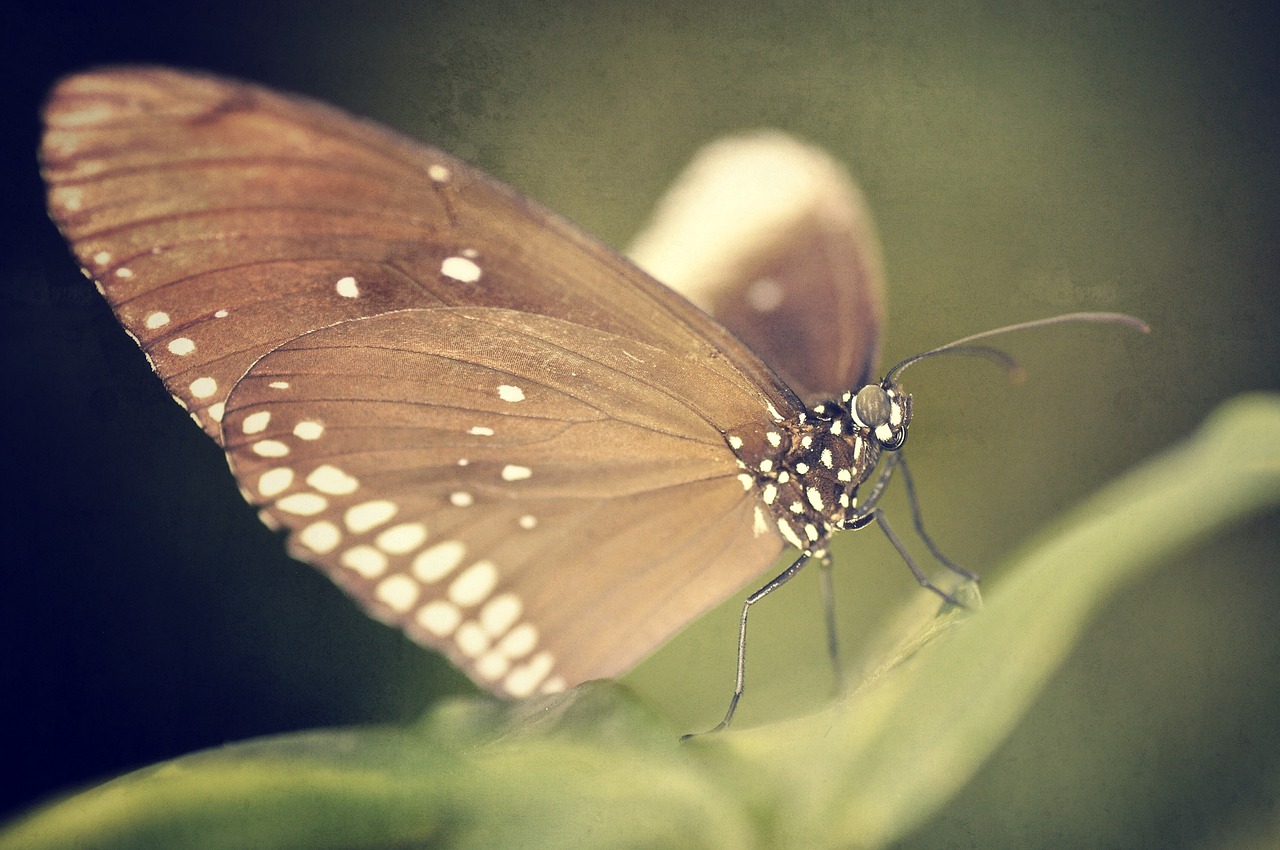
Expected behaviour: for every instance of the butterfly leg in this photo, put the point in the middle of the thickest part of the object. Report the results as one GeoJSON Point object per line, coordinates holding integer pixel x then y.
{"type": "Point", "coordinates": [878, 516]}
{"type": "Point", "coordinates": [870, 512]}
{"type": "Point", "coordinates": [740, 681]}
{"type": "Point", "coordinates": [892, 459]}
{"type": "Point", "coordinates": [919, 523]}
{"type": "Point", "coordinates": [829, 610]}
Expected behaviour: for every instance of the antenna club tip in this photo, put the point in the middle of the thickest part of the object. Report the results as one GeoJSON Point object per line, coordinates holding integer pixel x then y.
{"type": "Point", "coordinates": [1017, 375]}
{"type": "Point", "coordinates": [1125, 319]}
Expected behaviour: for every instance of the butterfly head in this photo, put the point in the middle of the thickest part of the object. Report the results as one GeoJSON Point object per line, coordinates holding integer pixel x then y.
{"type": "Point", "coordinates": [884, 410]}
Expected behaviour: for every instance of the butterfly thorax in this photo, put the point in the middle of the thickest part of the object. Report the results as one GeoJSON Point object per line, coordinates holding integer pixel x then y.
{"type": "Point", "coordinates": [807, 469]}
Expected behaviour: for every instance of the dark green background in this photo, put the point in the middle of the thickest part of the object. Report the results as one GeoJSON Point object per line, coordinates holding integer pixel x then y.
{"type": "Point", "coordinates": [1021, 159]}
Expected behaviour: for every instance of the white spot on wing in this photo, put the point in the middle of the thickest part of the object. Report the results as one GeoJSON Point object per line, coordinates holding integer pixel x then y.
{"type": "Point", "coordinates": [157, 319]}
{"type": "Point", "coordinates": [348, 288]}
{"type": "Point", "coordinates": [320, 537]}
{"type": "Point", "coordinates": [398, 592]}
{"type": "Point", "coordinates": [302, 504]}
{"type": "Point", "coordinates": [256, 423]}
{"type": "Point", "coordinates": [329, 479]}
{"type": "Point", "coordinates": [528, 521]}
{"type": "Point", "coordinates": [494, 665]}
{"type": "Point", "coordinates": [480, 431]}
{"type": "Point", "coordinates": [366, 515]}
{"type": "Point", "coordinates": [515, 472]}
{"type": "Point", "coordinates": [435, 563]}
{"type": "Point", "coordinates": [526, 678]}
{"type": "Point", "coordinates": [365, 560]}
{"type": "Point", "coordinates": [203, 387]}
{"type": "Point", "coordinates": [402, 538]}
{"type": "Point", "coordinates": [216, 410]}
{"type": "Point", "coordinates": [765, 295]}
{"type": "Point", "coordinates": [501, 613]}
{"type": "Point", "coordinates": [438, 173]}
{"type": "Point", "coordinates": [439, 617]}
{"type": "Point", "coordinates": [275, 481]}
{"type": "Point", "coordinates": [461, 499]}
{"type": "Point", "coordinates": [519, 642]}
{"type": "Point", "coordinates": [70, 199]}
{"type": "Point", "coordinates": [307, 429]}
{"type": "Point", "coordinates": [474, 584]}
{"type": "Point", "coordinates": [182, 346]}
{"type": "Point", "coordinates": [124, 273]}
{"type": "Point", "coordinates": [460, 269]}
{"type": "Point", "coordinates": [471, 639]}
{"type": "Point", "coordinates": [507, 392]}
{"type": "Point", "coordinates": [270, 448]}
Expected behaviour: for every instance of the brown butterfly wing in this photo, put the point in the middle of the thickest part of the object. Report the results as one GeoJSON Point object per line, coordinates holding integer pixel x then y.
{"type": "Point", "coordinates": [514, 489]}
{"type": "Point", "coordinates": [772, 237]}
{"type": "Point", "coordinates": [353, 316]}
{"type": "Point", "coordinates": [221, 219]}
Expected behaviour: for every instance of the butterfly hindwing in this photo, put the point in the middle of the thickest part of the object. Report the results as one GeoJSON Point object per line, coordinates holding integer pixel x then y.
{"type": "Point", "coordinates": [773, 238]}
{"type": "Point", "coordinates": [526, 501]}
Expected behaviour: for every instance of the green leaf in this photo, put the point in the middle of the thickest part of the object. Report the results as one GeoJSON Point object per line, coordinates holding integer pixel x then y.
{"type": "Point", "coordinates": [866, 771]}
{"type": "Point", "coordinates": [592, 764]}
{"type": "Point", "coordinates": [595, 768]}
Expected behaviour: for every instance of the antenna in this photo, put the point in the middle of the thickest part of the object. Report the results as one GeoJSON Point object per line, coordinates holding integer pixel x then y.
{"type": "Point", "coordinates": [962, 345]}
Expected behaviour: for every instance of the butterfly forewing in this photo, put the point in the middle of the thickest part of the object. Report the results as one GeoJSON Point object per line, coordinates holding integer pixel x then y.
{"type": "Point", "coordinates": [206, 224]}
{"type": "Point", "coordinates": [221, 220]}
{"type": "Point", "coordinates": [489, 428]}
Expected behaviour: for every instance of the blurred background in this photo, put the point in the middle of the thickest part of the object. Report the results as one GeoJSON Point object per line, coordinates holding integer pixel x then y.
{"type": "Point", "coordinates": [1021, 159]}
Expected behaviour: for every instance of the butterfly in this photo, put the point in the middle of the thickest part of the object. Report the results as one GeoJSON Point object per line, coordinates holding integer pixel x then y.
{"type": "Point", "coordinates": [492, 431]}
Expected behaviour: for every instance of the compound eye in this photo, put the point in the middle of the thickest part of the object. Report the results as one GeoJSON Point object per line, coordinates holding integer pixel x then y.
{"type": "Point", "coordinates": [871, 406]}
